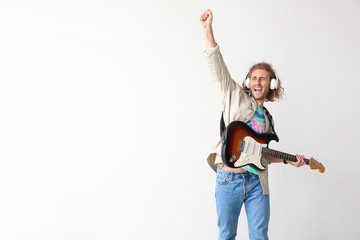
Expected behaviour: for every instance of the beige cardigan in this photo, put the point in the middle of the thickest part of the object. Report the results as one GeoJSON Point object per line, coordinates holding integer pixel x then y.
{"type": "Point", "coordinates": [237, 104]}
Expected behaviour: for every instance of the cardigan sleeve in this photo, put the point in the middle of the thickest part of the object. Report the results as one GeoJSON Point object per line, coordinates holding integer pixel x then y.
{"type": "Point", "coordinates": [219, 72]}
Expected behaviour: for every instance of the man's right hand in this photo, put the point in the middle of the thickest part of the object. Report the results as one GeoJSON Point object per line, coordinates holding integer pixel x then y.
{"type": "Point", "coordinates": [206, 19]}
{"type": "Point", "coordinates": [206, 23]}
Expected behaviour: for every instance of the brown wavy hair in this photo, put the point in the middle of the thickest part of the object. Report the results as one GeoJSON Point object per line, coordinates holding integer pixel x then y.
{"type": "Point", "coordinates": [273, 94]}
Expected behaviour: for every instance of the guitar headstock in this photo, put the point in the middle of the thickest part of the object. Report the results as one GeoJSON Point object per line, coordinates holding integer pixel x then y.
{"type": "Point", "coordinates": [316, 165]}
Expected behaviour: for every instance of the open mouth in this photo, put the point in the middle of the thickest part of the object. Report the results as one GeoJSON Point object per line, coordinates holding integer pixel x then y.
{"type": "Point", "coordinates": [257, 89]}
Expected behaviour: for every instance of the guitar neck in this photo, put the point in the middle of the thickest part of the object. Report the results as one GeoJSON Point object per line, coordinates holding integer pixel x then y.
{"type": "Point", "coordinates": [285, 156]}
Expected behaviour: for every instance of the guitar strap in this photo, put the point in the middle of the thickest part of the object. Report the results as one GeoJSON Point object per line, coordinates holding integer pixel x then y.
{"type": "Point", "coordinates": [270, 120]}
{"type": "Point", "coordinates": [222, 125]}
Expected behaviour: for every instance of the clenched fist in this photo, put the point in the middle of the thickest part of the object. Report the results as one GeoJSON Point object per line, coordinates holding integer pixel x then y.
{"type": "Point", "coordinates": [206, 19]}
{"type": "Point", "coordinates": [206, 23]}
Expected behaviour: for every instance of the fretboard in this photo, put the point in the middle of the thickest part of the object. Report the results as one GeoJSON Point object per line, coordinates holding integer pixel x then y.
{"type": "Point", "coordinates": [281, 155]}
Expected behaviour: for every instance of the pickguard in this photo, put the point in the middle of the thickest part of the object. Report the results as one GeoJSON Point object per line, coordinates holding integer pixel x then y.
{"type": "Point", "coordinates": [251, 153]}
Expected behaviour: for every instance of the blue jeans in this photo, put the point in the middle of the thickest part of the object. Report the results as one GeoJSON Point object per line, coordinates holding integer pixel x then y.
{"type": "Point", "coordinates": [234, 189]}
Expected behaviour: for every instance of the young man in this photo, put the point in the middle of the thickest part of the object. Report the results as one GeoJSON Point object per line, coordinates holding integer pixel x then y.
{"type": "Point", "coordinates": [238, 186]}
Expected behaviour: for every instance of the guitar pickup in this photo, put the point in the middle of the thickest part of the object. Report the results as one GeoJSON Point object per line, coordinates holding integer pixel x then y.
{"type": "Point", "coordinates": [242, 146]}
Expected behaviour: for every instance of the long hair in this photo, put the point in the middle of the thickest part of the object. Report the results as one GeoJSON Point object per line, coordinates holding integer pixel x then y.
{"type": "Point", "coordinates": [273, 94]}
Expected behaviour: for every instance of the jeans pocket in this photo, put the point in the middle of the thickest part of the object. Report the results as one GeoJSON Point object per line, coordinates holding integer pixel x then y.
{"type": "Point", "coordinates": [222, 180]}
{"type": "Point", "coordinates": [253, 176]}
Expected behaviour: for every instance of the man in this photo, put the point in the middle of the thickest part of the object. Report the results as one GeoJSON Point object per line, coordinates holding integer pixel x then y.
{"type": "Point", "coordinates": [238, 186]}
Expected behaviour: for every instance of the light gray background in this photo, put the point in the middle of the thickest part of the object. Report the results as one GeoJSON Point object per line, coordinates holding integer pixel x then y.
{"type": "Point", "coordinates": [108, 112]}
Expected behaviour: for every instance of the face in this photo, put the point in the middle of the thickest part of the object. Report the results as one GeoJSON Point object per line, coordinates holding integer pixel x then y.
{"type": "Point", "coordinates": [259, 84]}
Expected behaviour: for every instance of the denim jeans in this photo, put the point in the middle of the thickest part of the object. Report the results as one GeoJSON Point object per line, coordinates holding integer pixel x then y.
{"type": "Point", "coordinates": [234, 189]}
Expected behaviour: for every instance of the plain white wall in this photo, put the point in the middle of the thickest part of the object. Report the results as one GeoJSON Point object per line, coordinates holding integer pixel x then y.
{"type": "Point", "coordinates": [108, 112]}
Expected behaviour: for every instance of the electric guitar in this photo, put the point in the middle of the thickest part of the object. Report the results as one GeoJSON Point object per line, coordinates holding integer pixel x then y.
{"type": "Point", "coordinates": [243, 146]}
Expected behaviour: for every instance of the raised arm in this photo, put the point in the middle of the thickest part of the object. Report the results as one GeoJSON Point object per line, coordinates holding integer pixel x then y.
{"type": "Point", "coordinates": [218, 69]}
{"type": "Point", "coordinates": [206, 23]}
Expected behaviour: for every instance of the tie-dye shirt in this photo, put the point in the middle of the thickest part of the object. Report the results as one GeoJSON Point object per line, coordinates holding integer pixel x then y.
{"type": "Point", "coordinates": [258, 124]}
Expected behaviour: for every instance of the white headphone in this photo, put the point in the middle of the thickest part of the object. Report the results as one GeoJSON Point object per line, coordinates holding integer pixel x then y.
{"type": "Point", "coordinates": [274, 83]}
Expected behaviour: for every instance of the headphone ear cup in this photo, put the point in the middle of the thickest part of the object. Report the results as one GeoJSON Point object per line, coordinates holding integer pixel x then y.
{"type": "Point", "coordinates": [274, 84]}
{"type": "Point", "coordinates": [247, 83]}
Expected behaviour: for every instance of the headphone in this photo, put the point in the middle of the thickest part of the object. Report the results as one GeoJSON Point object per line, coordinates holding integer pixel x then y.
{"type": "Point", "coordinates": [274, 83]}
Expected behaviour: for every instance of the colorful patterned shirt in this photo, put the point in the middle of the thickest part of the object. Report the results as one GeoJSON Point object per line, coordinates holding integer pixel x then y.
{"type": "Point", "coordinates": [258, 124]}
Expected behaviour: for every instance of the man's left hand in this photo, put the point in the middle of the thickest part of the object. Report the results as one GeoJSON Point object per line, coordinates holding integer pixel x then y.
{"type": "Point", "coordinates": [300, 161]}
